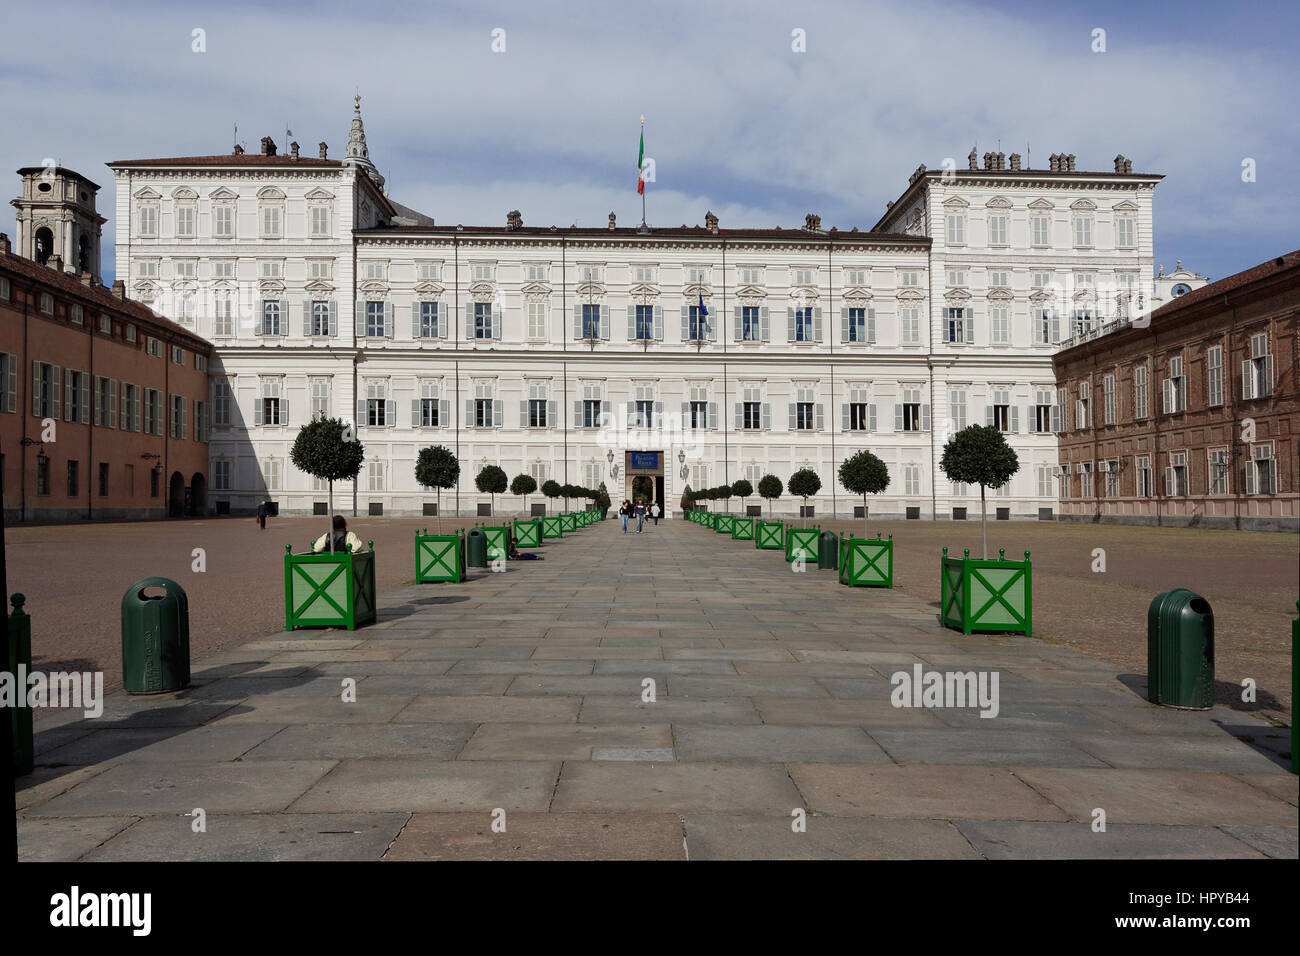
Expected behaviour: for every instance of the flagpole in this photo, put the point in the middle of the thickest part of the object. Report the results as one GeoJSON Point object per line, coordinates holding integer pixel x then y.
{"type": "Point", "coordinates": [644, 227]}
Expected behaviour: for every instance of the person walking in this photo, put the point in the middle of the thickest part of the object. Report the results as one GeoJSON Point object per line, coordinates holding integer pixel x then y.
{"type": "Point", "coordinates": [654, 513]}
{"type": "Point", "coordinates": [640, 514]}
{"type": "Point", "coordinates": [261, 515]}
{"type": "Point", "coordinates": [624, 512]}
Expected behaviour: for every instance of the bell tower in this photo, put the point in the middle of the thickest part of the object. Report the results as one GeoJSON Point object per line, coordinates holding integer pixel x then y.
{"type": "Point", "coordinates": [57, 219]}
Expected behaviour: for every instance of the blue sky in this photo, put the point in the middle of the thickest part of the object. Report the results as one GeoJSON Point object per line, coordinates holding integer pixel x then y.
{"type": "Point", "coordinates": [736, 121]}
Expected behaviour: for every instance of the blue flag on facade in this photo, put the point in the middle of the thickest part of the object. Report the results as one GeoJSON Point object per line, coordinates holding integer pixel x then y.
{"type": "Point", "coordinates": [703, 311]}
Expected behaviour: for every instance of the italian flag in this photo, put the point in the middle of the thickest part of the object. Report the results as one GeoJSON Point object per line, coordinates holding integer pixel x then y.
{"type": "Point", "coordinates": [640, 164]}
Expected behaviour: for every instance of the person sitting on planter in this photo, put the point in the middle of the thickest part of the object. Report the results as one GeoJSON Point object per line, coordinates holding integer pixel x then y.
{"type": "Point", "coordinates": [514, 554]}
{"type": "Point", "coordinates": [342, 538]}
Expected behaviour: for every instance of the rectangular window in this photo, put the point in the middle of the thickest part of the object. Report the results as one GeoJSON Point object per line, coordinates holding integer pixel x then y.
{"type": "Point", "coordinates": [997, 230]}
{"type": "Point", "coordinates": [45, 390]}
{"type": "Point", "coordinates": [320, 221]}
{"type": "Point", "coordinates": [1000, 324]}
{"type": "Point", "coordinates": [591, 413]}
{"type": "Point", "coordinates": [74, 478]}
{"type": "Point", "coordinates": [802, 276]}
{"type": "Point", "coordinates": [178, 355]}
{"type": "Point", "coordinates": [1046, 482]}
{"type": "Point", "coordinates": [1261, 470]}
{"type": "Point", "coordinates": [1082, 232]}
{"type": "Point", "coordinates": [320, 318]}
{"type": "Point", "coordinates": [1084, 323]}
{"type": "Point", "coordinates": [909, 278]}
{"type": "Point", "coordinates": [1140, 392]}
{"type": "Point", "coordinates": [221, 474]}
{"type": "Point", "coordinates": [185, 221]}
{"type": "Point", "coordinates": [375, 320]}
{"type": "Point", "coordinates": [537, 413]}
{"type": "Point", "coordinates": [377, 405]}
{"type": "Point", "coordinates": [1085, 479]}
{"type": "Point", "coordinates": [1175, 395]}
{"type": "Point", "coordinates": [751, 409]}
{"type": "Point", "coordinates": [956, 277]}
{"type": "Point", "coordinates": [271, 474]}
{"type": "Point", "coordinates": [47, 303]}
{"type": "Point", "coordinates": [376, 269]}
{"type": "Point", "coordinates": [1143, 477]}
{"type": "Point", "coordinates": [857, 325]}
{"type": "Point", "coordinates": [429, 320]}
{"type": "Point", "coordinates": [1124, 232]}
{"type": "Point", "coordinates": [200, 362]}
{"type": "Point", "coordinates": [803, 419]}
{"type": "Point", "coordinates": [483, 413]}
{"type": "Point", "coordinates": [1257, 371]}
{"type": "Point", "coordinates": [432, 272]}
{"type": "Point", "coordinates": [148, 220]}
{"type": "Point", "coordinates": [1000, 409]}
{"type": "Point", "coordinates": [1214, 373]}
{"type": "Point", "coordinates": [482, 320]}
{"type": "Point", "coordinates": [537, 320]}
{"type": "Point", "coordinates": [320, 398]}
{"type": "Point", "coordinates": [271, 404]}
{"type": "Point", "coordinates": [1176, 475]}
{"type": "Point", "coordinates": [223, 221]}
{"type": "Point", "coordinates": [272, 269]}
{"type": "Point", "coordinates": [223, 315]}
{"type": "Point", "coordinates": [911, 479]}
{"type": "Point", "coordinates": [375, 476]}
{"type": "Point", "coordinates": [1112, 479]}
{"type": "Point", "coordinates": [8, 382]}
{"type": "Point", "coordinates": [1108, 399]}
{"type": "Point", "coordinates": [271, 318]}
{"type": "Point", "coordinates": [957, 408]}
{"type": "Point", "coordinates": [221, 404]}
{"type": "Point", "coordinates": [698, 325]}
{"type": "Point", "coordinates": [751, 276]}
{"type": "Point", "coordinates": [1218, 471]}
{"type": "Point", "coordinates": [103, 479]}
{"type": "Point", "coordinates": [697, 275]}
{"type": "Point", "coordinates": [153, 411]}
{"type": "Point", "coordinates": [955, 325]}
{"type": "Point", "coordinates": [1040, 229]}
{"type": "Point", "coordinates": [909, 417]}
{"type": "Point", "coordinates": [645, 322]}
{"type": "Point", "coordinates": [956, 228]}
{"type": "Point", "coordinates": [591, 273]}
{"type": "Point", "coordinates": [591, 321]}
{"type": "Point", "coordinates": [271, 220]}
{"type": "Point", "coordinates": [1082, 417]}
{"type": "Point", "coordinates": [750, 327]}
{"type": "Point", "coordinates": [803, 325]}
{"type": "Point", "coordinates": [430, 411]}
{"type": "Point", "coordinates": [855, 277]}
{"type": "Point", "coordinates": [910, 326]}
{"type": "Point", "coordinates": [319, 268]}
{"type": "Point", "coordinates": [177, 416]}
{"type": "Point", "coordinates": [998, 280]}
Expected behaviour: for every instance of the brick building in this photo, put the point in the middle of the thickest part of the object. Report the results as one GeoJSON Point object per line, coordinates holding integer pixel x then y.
{"type": "Point", "coordinates": [1194, 419]}
{"type": "Point", "coordinates": [103, 402]}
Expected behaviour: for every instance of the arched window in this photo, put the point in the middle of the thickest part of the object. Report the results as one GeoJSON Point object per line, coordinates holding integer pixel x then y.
{"type": "Point", "coordinates": [42, 245]}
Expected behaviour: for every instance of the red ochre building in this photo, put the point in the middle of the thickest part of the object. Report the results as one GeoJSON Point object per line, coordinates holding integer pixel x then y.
{"type": "Point", "coordinates": [103, 402]}
{"type": "Point", "coordinates": [1195, 419]}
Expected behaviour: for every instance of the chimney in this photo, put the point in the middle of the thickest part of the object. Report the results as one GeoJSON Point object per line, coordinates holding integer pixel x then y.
{"type": "Point", "coordinates": [988, 160]}
{"type": "Point", "coordinates": [1128, 166]}
{"type": "Point", "coordinates": [1000, 159]}
{"type": "Point", "coordinates": [4, 242]}
{"type": "Point", "coordinates": [56, 263]}
{"type": "Point", "coordinates": [971, 161]}
{"type": "Point", "coordinates": [1015, 160]}
{"type": "Point", "coordinates": [711, 222]}
{"type": "Point", "coordinates": [238, 150]}
{"type": "Point", "coordinates": [293, 150]}
{"type": "Point", "coordinates": [86, 278]}
{"type": "Point", "coordinates": [613, 222]}
{"type": "Point", "coordinates": [1119, 163]}
{"type": "Point", "coordinates": [119, 289]}
{"type": "Point", "coordinates": [1069, 161]}
{"type": "Point", "coordinates": [268, 146]}
{"type": "Point", "coordinates": [323, 150]}
{"type": "Point", "coordinates": [1053, 162]}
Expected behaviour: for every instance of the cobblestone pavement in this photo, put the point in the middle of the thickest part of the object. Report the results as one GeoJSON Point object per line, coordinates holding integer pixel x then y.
{"type": "Point", "coordinates": [521, 696]}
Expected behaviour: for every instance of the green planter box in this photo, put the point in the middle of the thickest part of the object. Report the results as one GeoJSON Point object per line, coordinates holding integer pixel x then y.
{"type": "Point", "coordinates": [769, 535]}
{"type": "Point", "coordinates": [528, 532]}
{"type": "Point", "coordinates": [742, 529]}
{"type": "Point", "coordinates": [865, 563]}
{"type": "Point", "coordinates": [439, 557]}
{"type": "Point", "coordinates": [725, 524]}
{"type": "Point", "coordinates": [498, 536]}
{"type": "Point", "coordinates": [979, 595]}
{"type": "Point", "coordinates": [551, 527]}
{"type": "Point", "coordinates": [802, 539]}
{"type": "Point", "coordinates": [568, 523]}
{"type": "Point", "coordinates": [329, 590]}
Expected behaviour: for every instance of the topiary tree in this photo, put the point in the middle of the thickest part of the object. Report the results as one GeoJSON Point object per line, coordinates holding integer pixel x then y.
{"type": "Point", "coordinates": [688, 499]}
{"type": "Point", "coordinates": [436, 467]}
{"type": "Point", "coordinates": [327, 448]}
{"type": "Point", "coordinates": [979, 455]}
{"type": "Point", "coordinates": [770, 487]}
{"type": "Point", "coordinates": [742, 489]}
{"type": "Point", "coordinates": [523, 486]}
{"type": "Point", "coordinates": [551, 488]}
{"type": "Point", "coordinates": [602, 498]}
{"type": "Point", "coordinates": [805, 483]}
{"type": "Point", "coordinates": [491, 481]}
{"type": "Point", "coordinates": [864, 474]}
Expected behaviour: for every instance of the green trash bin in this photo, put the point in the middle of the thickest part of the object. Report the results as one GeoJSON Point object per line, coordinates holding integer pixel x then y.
{"type": "Point", "coordinates": [476, 548]}
{"type": "Point", "coordinates": [1180, 651]}
{"type": "Point", "coordinates": [155, 637]}
{"type": "Point", "coordinates": [828, 551]}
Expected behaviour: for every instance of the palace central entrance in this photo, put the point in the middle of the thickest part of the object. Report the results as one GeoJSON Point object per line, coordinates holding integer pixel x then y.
{"type": "Point", "coordinates": [643, 473]}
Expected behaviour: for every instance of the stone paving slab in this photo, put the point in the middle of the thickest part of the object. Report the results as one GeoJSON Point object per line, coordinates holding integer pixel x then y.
{"type": "Point", "coordinates": [541, 836]}
{"type": "Point", "coordinates": [747, 837]}
{"type": "Point", "coordinates": [523, 692]}
{"type": "Point", "coordinates": [277, 837]}
{"type": "Point", "coordinates": [1018, 840]}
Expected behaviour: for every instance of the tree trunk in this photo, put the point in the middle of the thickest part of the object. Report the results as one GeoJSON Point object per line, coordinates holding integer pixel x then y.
{"type": "Point", "coordinates": [864, 514]}
{"type": "Point", "coordinates": [439, 509]}
{"type": "Point", "coordinates": [329, 535]}
{"type": "Point", "coordinates": [984, 525]}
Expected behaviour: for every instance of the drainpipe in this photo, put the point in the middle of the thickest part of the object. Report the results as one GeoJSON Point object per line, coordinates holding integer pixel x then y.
{"type": "Point", "coordinates": [90, 432]}
{"type": "Point", "coordinates": [564, 344]}
{"type": "Point", "coordinates": [23, 413]}
{"type": "Point", "coordinates": [455, 324]}
{"type": "Point", "coordinates": [355, 383]}
{"type": "Point", "coordinates": [830, 337]}
{"type": "Point", "coordinates": [1231, 465]}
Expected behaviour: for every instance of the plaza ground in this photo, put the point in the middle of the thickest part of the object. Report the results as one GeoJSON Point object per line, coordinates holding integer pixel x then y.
{"type": "Point", "coordinates": [74, 577]}
{"type": "Point", "coordinates": [522, 694]}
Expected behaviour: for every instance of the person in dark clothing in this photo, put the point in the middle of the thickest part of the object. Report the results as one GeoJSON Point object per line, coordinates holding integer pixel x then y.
{"type": "Point", "coordinates": [625, 512]}
{"type": "Point", "coordinates": [514, 554]}
{"type": "Point", "coordinates": [261, 515]}
{"type": "Point", "coordinates": [639, 511]}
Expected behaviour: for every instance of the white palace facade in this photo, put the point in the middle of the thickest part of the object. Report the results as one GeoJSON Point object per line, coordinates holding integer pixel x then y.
{"type": "Point", "coordinates": [578, 353]}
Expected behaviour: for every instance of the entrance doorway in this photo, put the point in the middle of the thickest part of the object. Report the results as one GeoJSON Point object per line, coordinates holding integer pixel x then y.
{"type": "Point", "coordinates": [644, 477]}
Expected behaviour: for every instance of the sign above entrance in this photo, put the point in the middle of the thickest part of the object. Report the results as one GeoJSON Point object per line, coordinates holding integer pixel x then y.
{"type": "Point", "coordinates": [643, 460]}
